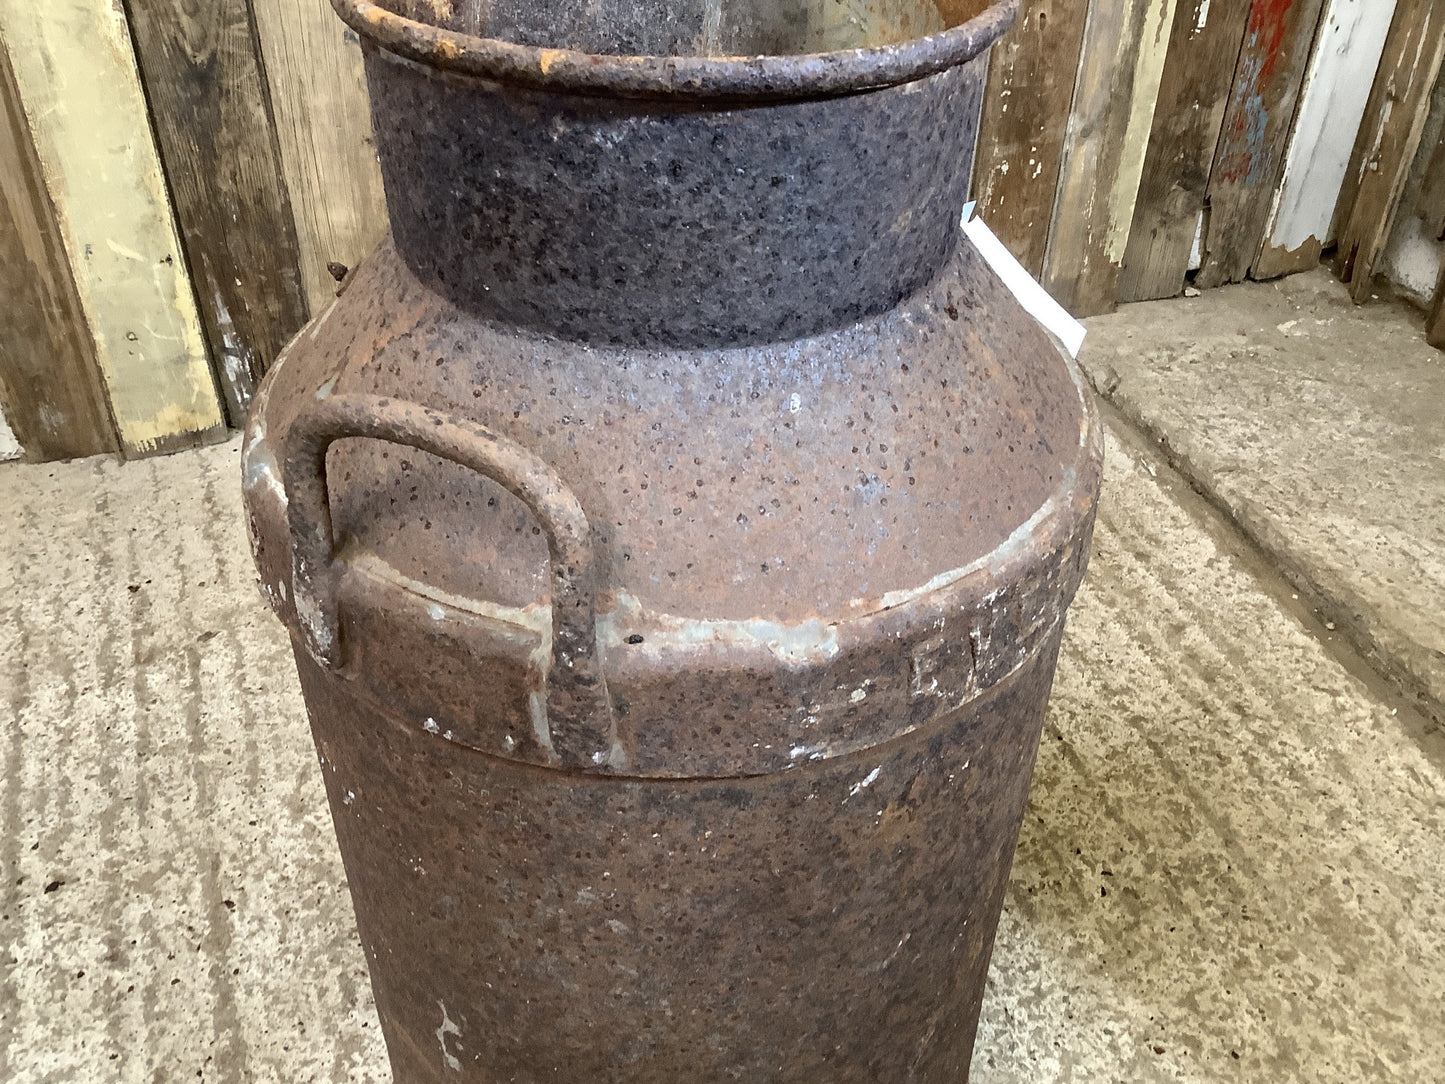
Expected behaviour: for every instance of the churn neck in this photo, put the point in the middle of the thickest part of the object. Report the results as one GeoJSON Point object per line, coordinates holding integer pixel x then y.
{"type": "Point", "coordinates": [674, 200]}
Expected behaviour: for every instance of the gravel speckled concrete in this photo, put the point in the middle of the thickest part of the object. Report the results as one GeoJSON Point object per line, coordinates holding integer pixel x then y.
{"type": "Point", "coordinates": [1319, 428]}
{"type": "Point", "coordinates": [1233, 866]}
{"type": "Point", "coordinates": [172, 904]}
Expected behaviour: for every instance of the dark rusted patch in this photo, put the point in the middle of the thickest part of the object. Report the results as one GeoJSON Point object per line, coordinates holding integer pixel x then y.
{"type": "Point", "coordinates": [650, 223]}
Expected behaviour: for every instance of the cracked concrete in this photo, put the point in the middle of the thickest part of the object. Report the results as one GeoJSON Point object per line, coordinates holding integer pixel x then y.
{"type": "Point", "coordinates": [1233, 866]}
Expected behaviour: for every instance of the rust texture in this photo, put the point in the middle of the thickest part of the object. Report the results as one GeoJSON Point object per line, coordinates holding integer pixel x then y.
{"type": "Point", "coordinates": [669, 53]}
{"type": "Point", "coordinates": [675, 520]}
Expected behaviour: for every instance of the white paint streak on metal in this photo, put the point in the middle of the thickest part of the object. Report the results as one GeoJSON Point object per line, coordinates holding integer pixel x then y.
{"type": "Point", "coordinates": [712, 28]}
{"type": "Point", "coordinates": [259, 470]}
{"type": "Point", "coordinates": [537, 709]}
{"type": "Point", "coordinates": [797, 644]}
{"type": "Point", "coordinates": [524, 625]}
{"type": "Point", "coordinates": [317, 323]}
{"type": "Point", "coordinates": [864, 783]}
{"type": "Point", "coordinates": [309, 613]}
{"type": "Point", "coordinates": [448, 1028]}
{"type": "Point", "coordinates": [1022, 536]}
{"type": "Point", "coordinates": [258, 462]}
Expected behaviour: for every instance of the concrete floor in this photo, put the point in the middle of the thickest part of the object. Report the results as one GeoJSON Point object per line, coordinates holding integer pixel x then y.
{"type": "Point", "coordinates": [1318, 428]}
{"type": "Point", "coordinates": [1233, 866]}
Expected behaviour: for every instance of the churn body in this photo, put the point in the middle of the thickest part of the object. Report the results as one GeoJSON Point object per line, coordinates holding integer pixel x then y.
{"type": "Point", "coordinates": [675, 520]}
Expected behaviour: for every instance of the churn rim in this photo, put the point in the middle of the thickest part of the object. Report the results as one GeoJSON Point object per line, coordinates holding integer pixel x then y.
{"type": "Point", "coordinates": [768, 77]}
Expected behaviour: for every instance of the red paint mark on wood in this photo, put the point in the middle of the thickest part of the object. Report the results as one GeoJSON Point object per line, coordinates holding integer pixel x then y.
{"type": "Point", "coordinates": [1269, 21]}
{"type": "Point", "coordinates": [1248, 122]}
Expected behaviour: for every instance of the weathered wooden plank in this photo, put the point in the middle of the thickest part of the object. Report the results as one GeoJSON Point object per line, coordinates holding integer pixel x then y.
{"type": "Point", "coordinates": [1203, 51]}
{"type": "Point", "coordinates": [1078, 270]}
{"type": "Point", "coordinates": [82, 97]}
{"type": "Point", "coordinates": [1025, 117]}
{"type": "Point", "coordinates": [955, 12]}
{"type": "Point", "coordinates": [323, 121]}
{"type": "Point", "coordinates": [1435, 323]}
{"type": "Point", "coordinates": [1432, 214]}
{"type": "Point", "coordinates": [210, 105]}
{"type": "Point", "coordinates": [1389, 138]}
{"type": "Point", "coordinates": [50, 389]}
{"type": "Point", "coordinates": [1278, 38]}
{"type": "Point", "coordinates": [1158, 18]}
{"type": "Point", "coordinates": [1431, 204]}
{"type": "Point", "coordinates": [1413, 256]}
{"type": "Point", "coordinates": [1332, 104]}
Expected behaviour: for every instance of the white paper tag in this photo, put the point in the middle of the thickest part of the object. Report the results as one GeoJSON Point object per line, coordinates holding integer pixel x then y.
{"type": "Point", "coordinates": [1033, 297]}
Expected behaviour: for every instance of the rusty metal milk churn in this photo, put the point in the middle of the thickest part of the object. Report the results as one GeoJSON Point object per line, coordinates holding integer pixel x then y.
{"type": "Point", "coordinates": [674, 520]}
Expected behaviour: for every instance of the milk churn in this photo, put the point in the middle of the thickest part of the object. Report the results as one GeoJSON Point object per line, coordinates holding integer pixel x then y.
{"type": "Point", "coordinates": [674, 520]}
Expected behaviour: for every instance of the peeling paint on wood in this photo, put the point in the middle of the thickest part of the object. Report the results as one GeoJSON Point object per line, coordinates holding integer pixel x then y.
{"type": "Point", "coordinates": [1078, 270]}
{"type": "Point", "coordinates": [1346, 57]}
{"type": "Point", "coordinates": [1389, 138]}
{"type": "Point", "coordinates": [51, 392]}
{"type": "Point", "coordinates": [1194, 90]}
{"type": "Point", "coordinates": [82, 97]}
{"type": "Point", "coordinates": [1148, 75]}
{"type": "Point", "coordinates": [1025, 115]}
{"type": "Point", "coordinates": [1278, 38]}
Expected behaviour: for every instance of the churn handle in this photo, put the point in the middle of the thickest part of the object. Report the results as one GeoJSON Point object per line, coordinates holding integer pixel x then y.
{"type": "Point", "coordinates": [578, 709]}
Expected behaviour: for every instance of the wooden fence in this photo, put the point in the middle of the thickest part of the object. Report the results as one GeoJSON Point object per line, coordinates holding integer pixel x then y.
{"type": "Point", "coordinates": [176, 178]}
